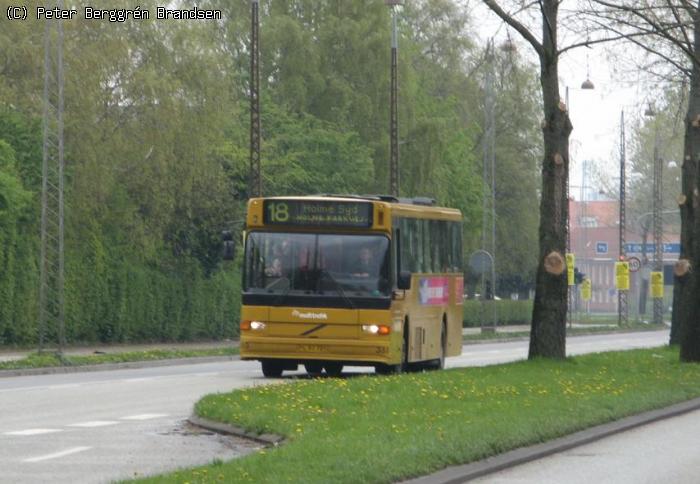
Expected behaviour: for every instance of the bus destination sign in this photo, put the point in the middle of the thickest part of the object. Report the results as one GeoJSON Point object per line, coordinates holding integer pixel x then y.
{"type": "Point", "coordinates": [317, 213]}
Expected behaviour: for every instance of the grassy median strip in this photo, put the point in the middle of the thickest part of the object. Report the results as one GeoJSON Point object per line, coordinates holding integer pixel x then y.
{"type": "Point", "coordinates": [383, 429]}
{"type": "Point", "coordinates": [47, 360]}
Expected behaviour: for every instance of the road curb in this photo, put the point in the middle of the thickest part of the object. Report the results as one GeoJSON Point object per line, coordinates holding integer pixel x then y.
{"type": "Point", "coordinates": [467, 472]}
{"type": "Point", "coordinates": [270, 440]}
{"type": "Point", "coordinates": [115, 366]}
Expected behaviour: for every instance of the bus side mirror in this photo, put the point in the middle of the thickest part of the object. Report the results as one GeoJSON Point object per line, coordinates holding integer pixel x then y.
{"type": "Point", "coordinates": [229, 247]}
{"type": "Point", "coordinates": [404, 281]}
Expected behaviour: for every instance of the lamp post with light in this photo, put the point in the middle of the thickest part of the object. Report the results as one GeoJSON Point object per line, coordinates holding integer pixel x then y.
{"type": "Point", "coordinates": [586, 85]}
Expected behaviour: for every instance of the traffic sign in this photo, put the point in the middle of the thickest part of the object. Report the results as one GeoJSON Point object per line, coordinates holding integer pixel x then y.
{"type": "Point", "coordinates": [635, 264]}
{"type": "Point", "coordinates": [622, 276]}
{"type": "Point", "coordinates": [480, 262]}
{"type": "Point", "coordinates": [657, 284]}
{"type": "Point", "coordinates": [601, 247]}
{"type": "Point", "coordinates": [586, 290]}
{"type": "Point", "coordinates": [570, 261]}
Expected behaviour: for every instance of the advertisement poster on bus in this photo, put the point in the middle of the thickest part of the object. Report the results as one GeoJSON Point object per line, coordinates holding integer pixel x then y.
{"type": "Point", "coordinates": [434, 290]}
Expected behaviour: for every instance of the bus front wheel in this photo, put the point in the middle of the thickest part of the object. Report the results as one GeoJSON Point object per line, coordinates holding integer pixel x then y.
{"type": "Point", "coordinates": [383, 369]}
{"type": "Point", "coordinates": [272, 368]}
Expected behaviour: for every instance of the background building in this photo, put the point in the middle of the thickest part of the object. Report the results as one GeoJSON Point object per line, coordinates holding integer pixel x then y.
{"type": "Point", "coordinates": [595, 243]}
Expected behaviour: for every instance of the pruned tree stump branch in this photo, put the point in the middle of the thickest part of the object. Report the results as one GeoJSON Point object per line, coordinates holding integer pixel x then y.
{"type": "Point", "coordinates": [682, 268]}
{"type": "Point", "coordinates": [554, 263]}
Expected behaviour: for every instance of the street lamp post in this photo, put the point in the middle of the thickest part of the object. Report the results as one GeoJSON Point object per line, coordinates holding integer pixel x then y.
{"type": "Point", "coordinates": [587, 85]}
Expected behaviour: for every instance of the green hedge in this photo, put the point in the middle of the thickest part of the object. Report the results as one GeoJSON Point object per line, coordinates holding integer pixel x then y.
{"type": "Point", "coordinates": [507, 312]}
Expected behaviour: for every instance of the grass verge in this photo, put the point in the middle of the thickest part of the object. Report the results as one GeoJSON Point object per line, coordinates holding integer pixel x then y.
{"type": "Point", "coordinates": [47, 360]}
{"type": "Point", "coordinates": [384, 429]}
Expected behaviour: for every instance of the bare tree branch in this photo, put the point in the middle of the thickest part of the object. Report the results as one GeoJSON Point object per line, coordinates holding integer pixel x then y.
{"type": "Point", "coordinates": [655, 25]}
{"type": "Point", "coordinates": [588, 43]}
{"type": "Point", "coordinates": [520, 28]}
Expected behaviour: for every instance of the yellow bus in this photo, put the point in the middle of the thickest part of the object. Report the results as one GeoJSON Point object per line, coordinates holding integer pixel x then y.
{"type": "Point", "coordinates": [339, 280]}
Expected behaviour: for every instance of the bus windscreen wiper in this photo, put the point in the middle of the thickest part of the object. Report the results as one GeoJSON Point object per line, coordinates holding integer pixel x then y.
{"type": "Point", "coordinates": [339, 287]}
{"type": "Point", "coordinates": [280, 298]}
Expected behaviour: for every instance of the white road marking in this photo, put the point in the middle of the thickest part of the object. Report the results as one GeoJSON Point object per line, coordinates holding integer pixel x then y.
{"type": "Point", "coordinates": [145, 378]}
{"type": "Point", "coordinates": [94, 423]}
{"type": "Point", "coordinates": [64, 385]}
{"type": "Point", "coordinates": [144, 416]}
{"type": "Point", "coordinates": [72, 450]}
{"type": "Point", "coordinates": [33, 432]}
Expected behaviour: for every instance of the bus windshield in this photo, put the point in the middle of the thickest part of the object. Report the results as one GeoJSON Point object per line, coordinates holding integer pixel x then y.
{"type": "Point", "coordinates": [342, 265]}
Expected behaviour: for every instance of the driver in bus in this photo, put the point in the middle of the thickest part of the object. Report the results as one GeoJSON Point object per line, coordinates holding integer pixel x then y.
{"type": "Point", "coordinates": [280, 253]}
{"type": "Point", "coordinates": [365, 264]}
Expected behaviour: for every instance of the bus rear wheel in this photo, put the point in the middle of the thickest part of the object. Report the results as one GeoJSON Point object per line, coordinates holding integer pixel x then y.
{"type": "Point", "coordinates": [333, 368]}
{"type": "Point", "coordinates": [272, 368]}
{"type": "Point", "coordinates": [314, 368]}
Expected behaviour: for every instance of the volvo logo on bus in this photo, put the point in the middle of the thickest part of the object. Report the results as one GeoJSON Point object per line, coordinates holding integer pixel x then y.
{"type": "Point", "coordinates": [309, 315]}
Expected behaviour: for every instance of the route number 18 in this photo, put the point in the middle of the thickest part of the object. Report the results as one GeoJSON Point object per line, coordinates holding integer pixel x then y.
{"type": "Point", "coordinates": [278, 212]}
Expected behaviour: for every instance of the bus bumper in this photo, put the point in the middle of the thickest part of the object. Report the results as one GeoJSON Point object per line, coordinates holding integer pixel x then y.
{"type": "Point", "coordinates": [300, 349]}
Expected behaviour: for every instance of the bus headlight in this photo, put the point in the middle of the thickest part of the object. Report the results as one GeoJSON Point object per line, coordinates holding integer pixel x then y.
{"type": "Point", "coordinates": [257, 325]}
{"type": "Point", "coordinates": [252, 325]}
{"type": "Point", "coordinates": [379, 329]}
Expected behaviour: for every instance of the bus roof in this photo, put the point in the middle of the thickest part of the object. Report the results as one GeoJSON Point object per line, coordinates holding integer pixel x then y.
{"type": "Point", "coordinates": [394, 201]}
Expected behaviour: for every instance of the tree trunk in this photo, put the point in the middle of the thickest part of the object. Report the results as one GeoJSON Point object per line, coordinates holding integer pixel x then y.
{"type": "Point", "coordinates": [686, 308]}
{"type": "Point", "coordinates": [548, 334]}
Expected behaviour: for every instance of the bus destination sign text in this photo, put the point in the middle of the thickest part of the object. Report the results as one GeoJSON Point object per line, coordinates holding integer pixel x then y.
{"type": "Point", "coordinates": [318, 213]}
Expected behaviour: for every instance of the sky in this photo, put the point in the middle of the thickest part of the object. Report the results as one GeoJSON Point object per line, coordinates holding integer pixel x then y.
{"type": "Point", "coordinates": [595, 114]}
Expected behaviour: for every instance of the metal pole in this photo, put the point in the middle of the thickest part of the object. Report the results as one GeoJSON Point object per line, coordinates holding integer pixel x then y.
{"type": "Point", "coordinates": [658, 201]}
{"type": "Point", "coordinates": [61, 166]}
{"type": "Point", "coordinates": [43, 275]}
{"type": "Point", "coordinates": [622, 309]}
{"type": "Point", "coordinates": [569, 292]}
{"type": "Point", "coordinates": [583, 226]}
{"type": "Point", "coordinates": [255, 183]}
{"type": "Point", "coordinates": [491, 113]}
{"type": "Point", "coordinates": [394, 123]}
{"type": "Point", "coordinates": [52, 267]}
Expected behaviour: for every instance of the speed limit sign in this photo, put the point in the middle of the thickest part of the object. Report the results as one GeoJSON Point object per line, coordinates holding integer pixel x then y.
{"type": "Point", "coordinates": [635, 264]}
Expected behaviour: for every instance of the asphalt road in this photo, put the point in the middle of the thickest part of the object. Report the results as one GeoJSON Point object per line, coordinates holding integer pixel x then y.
{"type": "Point", "coordinates": [662, 452]}
{"type": "Point", "coordinates": [101, 426]}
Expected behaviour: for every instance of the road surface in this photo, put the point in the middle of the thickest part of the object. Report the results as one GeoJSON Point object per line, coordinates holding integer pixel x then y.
{"type": "Point", "coordinates": [102, 426]}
